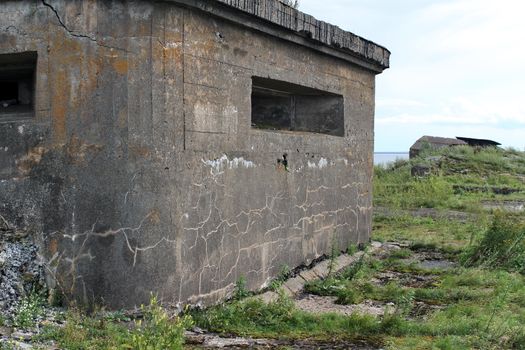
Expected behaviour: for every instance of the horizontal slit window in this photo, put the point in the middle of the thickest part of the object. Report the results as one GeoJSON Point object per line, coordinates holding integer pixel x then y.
{"type": "Point", "coordinates": [278, 105]}
{"type": "Point", "coordinates": [17, 85]}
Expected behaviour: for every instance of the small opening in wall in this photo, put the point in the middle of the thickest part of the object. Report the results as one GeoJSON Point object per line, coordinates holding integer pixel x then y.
{"type": "Point", "coordinates": [278, 105]}
{"type": "Point", "coordinates": [17, 84]}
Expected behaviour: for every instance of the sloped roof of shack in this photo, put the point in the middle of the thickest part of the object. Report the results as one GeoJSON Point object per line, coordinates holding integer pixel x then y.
{"type": "Point", "coordinates": [273, 16]}
{"type": "Point", "coordinates": [436, 141]}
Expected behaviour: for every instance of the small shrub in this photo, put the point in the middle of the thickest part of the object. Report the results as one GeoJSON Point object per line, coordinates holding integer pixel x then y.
{"type": "Point", "coordinates": [157, 331]}
{"type": "Point", "coordinates": [352, 249]}
{"type": "Point", "coordinates": [404, 302]}
{"type": "Point", "coordinates": [117, 316]}
{"type": "Point", "coordinates": [502, 246]}
{"type": "Point", "coordinates": [240, 291]}
{"type": "Point", "coordinates": [283, 275]}
{"type": "Point", "coordinates": [349, 296]}
{"type": "Point", "coordinates": [334, 253]}
{"type": "Point", "coordinates": [29, 310]}
{"type": "Point", "coordinates": [326, 287]}
{"type": "Point", "coordinates": [401, 254]}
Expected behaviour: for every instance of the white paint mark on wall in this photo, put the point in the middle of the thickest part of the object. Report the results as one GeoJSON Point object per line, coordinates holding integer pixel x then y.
{"type": "Point", "coordinates": [323, 163]}
{"type": "Point", "coordinates": [224, 162]}
{"type": "Point", "coordinates": [21, 129]}
{"type": "Point", "coordinates": [172, 45]}
{"type": "Point", "coordinates": [236, 162]}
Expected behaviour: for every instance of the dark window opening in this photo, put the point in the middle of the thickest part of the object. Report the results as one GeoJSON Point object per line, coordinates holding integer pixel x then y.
{"type": "Point", "coordinates": [278, 105]}
{"type": "Point", "coordinates": [17, 84]}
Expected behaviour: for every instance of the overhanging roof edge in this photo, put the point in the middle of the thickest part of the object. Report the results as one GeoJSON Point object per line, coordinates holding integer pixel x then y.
{"type": "Point", "coordinates": [275, 18]}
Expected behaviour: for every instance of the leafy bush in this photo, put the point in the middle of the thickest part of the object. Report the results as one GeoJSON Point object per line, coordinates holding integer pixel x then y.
{"type": "Point", "coordinates": [502, 246]}
{"type": "Point", "coordinates": [240, 291]}
{"type": "Point", "coordinates": [157, 331]}
{"type": "Point", "coordinates": [81, 332]}
{"type": "Point", "coordinates": [29, 310]}
{"type": "Point", "coordinates": [251, 313]}
{"type": "Point", "coordinates": [284, 273]}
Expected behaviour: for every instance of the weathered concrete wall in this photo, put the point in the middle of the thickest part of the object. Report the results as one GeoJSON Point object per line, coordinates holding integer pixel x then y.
{"type": "Point", "coordinates": [140, 171]}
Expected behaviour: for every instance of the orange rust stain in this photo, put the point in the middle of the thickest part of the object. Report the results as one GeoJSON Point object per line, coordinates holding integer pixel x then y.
{"type": "Point", "coordinates": [53, 246]}
{"type": "Point", "coordinates": [139, 151]}
{"type": "Point", "coordinates": [59, 106]}
{"type": "Point", "coordinates": [77, 150]}
{"type": "Point", "coordinates": [154, 216]}
{"type": "Point", "coordinates": [90, 73]}
{"type": "Point", "coordinates": [172, 54]}
{"type": "Point", "coordinates": [67, 54]}
{"type": "Point", "coordinates": [123, 117]}
{"type": "Point", "coordinates": [121, 66]}
{"type": "Point", "coordinates": [28, 161]}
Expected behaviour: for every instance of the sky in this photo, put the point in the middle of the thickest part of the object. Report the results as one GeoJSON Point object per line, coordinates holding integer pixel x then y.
{"type": "Point", "coordinates": [457, 66]}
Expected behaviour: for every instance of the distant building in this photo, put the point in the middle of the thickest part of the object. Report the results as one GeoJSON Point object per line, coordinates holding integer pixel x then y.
{"type": "Point", "coordinates": [479, 142]}
{"type": "Point", "coordinates": [433, 142]}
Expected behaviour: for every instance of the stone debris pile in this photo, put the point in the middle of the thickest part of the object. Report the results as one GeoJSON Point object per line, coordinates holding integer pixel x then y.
{"type": "Point", "coordinates": [21, 270]}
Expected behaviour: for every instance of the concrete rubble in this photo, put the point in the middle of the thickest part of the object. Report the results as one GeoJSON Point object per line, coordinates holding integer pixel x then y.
{"type": "Point", "coordinates": [21, 271]}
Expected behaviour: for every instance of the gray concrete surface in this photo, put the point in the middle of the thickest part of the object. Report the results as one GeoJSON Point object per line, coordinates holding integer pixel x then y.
{"type": "Point", "coordinates": [138, 171]}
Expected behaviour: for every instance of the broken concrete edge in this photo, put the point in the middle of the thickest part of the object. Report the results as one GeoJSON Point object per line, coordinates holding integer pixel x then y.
{"type": "Point", "coordinates": [274, 18]}
{"type": "Point", "coordinates": [295, 285]}
{"type": "Point", "coordinates": [216, 341]}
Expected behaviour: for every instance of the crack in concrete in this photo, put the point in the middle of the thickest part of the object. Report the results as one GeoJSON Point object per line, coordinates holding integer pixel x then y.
{"type": "Point", "coordinates": [222, 262]}
{"type": "Point", "coordinates": [225, 241]}
{"type": "Point", "coordinates": [79, 35]}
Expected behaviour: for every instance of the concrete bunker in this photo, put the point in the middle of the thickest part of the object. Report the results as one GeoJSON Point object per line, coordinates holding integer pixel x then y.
{"type": "Point", "coordinates": [140, 170]}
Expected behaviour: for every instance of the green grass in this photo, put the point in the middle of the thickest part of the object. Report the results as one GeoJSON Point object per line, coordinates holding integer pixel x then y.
{"type": "Point", "coordinates": [394, 187]}
{"type": "Point", "coordinates": [155, 331]}
{"type": "Point", "coordinates": [485, 305]}
{"type": "Point", "coordinates": [29, 309]}
{"type": "Point", "coordinates": [427, 232]}
{"type": "Point", "coordinates": [479, 304]}
{"type": "Point", "coordinates": [502, 246]}
{"type": "Point", "coordinates": [479, 309]}
{"type": "Point", "coordinates": [280, 319]}
{"type": "Point", "coordinates": [475, 306]}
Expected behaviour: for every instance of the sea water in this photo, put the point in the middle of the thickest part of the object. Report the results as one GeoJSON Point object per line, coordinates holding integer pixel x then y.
{"type": "Point", "coordinates": [383, 158]}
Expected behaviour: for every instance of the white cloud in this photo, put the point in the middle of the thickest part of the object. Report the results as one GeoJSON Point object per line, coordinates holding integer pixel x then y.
{"type": "Point", "coordinates": [398, 103]}
{"type": "Point", "coordinates": [456, 64]}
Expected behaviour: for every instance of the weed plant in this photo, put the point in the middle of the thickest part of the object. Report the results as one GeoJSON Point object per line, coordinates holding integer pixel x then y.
{"type": "Point", "coordinates": [156, 331]}
{"type": "Point", "coordinates": [240, 291]}
{"type": "Point", "coordinates": [281, 319]}
{"type": "Point", "coordinates": [502, 245]}
{"type": "Point", "coordinates": [283, 275]}
{"type": "Point", "coordinates": [29, 310]}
